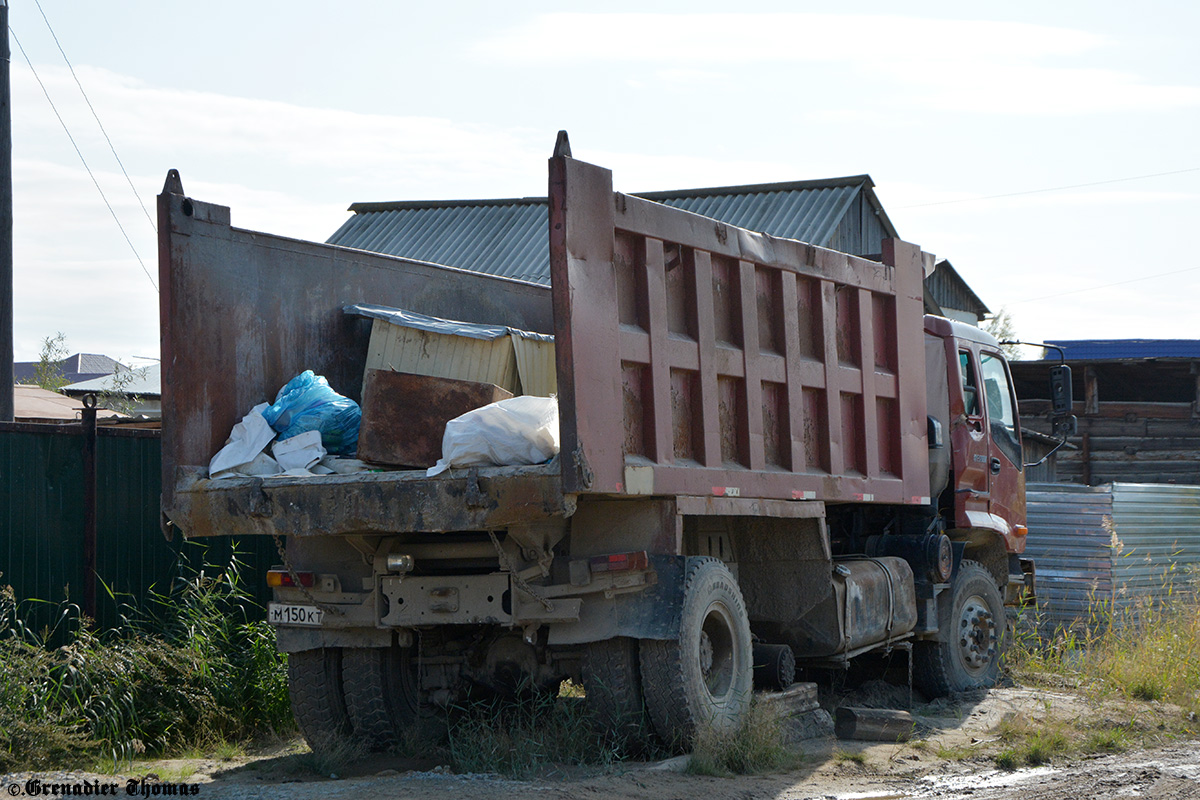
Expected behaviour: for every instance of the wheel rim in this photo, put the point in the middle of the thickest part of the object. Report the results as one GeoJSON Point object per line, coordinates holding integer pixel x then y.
{"type": "Point", "coordinates": [716, 651]}
{"type": "Point", "coordinates": [976, 635]}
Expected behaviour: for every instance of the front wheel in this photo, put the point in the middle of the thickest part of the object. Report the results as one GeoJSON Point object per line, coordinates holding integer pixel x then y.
{"type": "Point", "coordinates": [704, 677]}
{"type": "Point", "coordinates": [971, 635]}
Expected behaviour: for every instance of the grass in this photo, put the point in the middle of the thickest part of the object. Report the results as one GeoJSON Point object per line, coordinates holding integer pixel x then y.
{"type": "Point", "coordinates": [756, 746]}
{"type": "Point", "coordinates": [195, 667]}
{"type": "Point", "coordinates": [538, 733]}
{"type": "Point", "coordinates": [1148, 653]}
{"type": "Point", "coordinates": [1144, 655]}
{"type": "Point", "coordinates": [849, 757]}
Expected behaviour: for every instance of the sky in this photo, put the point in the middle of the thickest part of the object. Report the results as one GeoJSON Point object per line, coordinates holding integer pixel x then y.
{"type": "Point", "coordinates": [1050, 151]}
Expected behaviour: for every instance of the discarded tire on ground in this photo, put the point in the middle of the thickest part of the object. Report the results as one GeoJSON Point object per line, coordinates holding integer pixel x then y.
{"type": "Point", "coordinates": [966, 654]}
{"type": "Point", "coordinates": [704, 676]}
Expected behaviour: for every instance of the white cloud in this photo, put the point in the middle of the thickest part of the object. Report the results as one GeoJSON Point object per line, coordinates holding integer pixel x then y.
{"type": "Point", "coordinates": [952, 65]}
{"type": "Point", "coordinates": [736, 38]}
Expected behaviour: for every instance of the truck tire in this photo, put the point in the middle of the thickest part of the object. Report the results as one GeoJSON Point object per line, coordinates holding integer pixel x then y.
{"type": "Point", "coordinates": [613, 685]}
{"type": "Point", "coordinates": [318, 703]}
{"type": "Point", "coordinates": [381, 694]}
{"type": "Point", "coordinates": [704, 677]}
{"type": "Point", "coordinates": [966, 654]}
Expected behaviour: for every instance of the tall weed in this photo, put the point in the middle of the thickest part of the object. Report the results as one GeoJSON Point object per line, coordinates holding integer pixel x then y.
{"type": "Point", "coordinates": [190, 667]}
{"type": "Point", "coordinates": [1144, 652]}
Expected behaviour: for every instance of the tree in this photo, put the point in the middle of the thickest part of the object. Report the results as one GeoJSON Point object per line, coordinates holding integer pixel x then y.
{"type": "Point", "coordinates": [1002, 327]}
{"type": "Point", "coordinates": [115, 395]}
{"type": "Point", "coordinates": [49, 374]}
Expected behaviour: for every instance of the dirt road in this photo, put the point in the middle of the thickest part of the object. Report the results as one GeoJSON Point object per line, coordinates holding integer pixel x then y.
{"type": "Point", "coordinates": [955, 761]}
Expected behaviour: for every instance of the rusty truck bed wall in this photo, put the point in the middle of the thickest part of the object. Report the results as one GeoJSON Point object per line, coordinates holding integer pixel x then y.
{"type": "Point", "coordinates": [704, 359]}
{"type": "Point", "coordinates": [243, 312]}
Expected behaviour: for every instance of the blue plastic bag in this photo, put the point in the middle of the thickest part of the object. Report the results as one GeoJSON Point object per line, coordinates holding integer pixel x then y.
{"type": "Point", "coordinates": [308, 403]}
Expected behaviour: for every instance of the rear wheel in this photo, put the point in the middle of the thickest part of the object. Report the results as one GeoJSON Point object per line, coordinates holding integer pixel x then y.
{"type": "Point", "coordinates": [318, 702]}
{"type": "Point", "coordinates": [613, 685]}
{"type": "Point", "coordinates": [703, 677]}
{"type": "Point", "coordinates": [971, 636]}
{"type": "Point", "coordinates": [381, 694]}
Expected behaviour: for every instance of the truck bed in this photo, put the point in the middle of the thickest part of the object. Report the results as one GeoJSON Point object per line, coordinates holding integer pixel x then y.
{"type": "Point", "coordinates": [693, 357]}
{"type": "Point", "coordinates": [487, 498]}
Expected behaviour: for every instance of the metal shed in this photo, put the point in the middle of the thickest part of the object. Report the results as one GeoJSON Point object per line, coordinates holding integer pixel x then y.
{"type": "Point", "coordinates": [1116, 548]}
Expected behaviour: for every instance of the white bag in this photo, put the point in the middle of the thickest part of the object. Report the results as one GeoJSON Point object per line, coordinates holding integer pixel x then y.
{"type": "Point", "coordinates": [520, 430]}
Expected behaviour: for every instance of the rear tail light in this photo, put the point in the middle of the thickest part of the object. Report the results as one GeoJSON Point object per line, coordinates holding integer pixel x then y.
{"type": "Point", "coordinates": [281, 577]}
{"type": "Point", "coordinates": [619, 562]}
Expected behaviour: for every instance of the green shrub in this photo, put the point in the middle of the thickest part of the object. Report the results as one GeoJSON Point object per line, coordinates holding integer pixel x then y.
{"type": "Point", "coordinates": [192, 667]}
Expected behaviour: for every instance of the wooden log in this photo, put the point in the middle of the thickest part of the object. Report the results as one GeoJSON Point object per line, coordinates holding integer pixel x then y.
{"type": "Point", "coordinates": [873, 724]}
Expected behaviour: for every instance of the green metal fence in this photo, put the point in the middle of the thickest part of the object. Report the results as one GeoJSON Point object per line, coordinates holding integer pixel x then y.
{"type": "Point", "coordinates": [42, 516]}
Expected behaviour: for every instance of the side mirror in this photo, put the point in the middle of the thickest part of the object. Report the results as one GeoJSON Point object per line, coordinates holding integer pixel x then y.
{"type": "Point", "coordinates": [1060, 391]}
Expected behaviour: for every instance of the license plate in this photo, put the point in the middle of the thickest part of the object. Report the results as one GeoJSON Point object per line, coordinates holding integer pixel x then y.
{"type": "Point", "coordinates": [288, 614]}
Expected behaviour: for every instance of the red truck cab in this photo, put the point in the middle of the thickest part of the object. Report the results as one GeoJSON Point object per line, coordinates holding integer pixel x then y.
{"type": "Point", "coordinates": [979, 476]}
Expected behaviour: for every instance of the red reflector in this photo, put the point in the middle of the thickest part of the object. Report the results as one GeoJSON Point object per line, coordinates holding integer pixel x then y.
{"type": "Point", "coordinates": [620, 562]}
{"type": "Point", "coordinates": [281, 577]}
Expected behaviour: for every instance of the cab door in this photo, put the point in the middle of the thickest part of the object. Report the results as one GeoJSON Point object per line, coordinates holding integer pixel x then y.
{"type": "Point", "coordinates": [1005, 459]}
{"type": "Point", "coordinates": [969, 438]}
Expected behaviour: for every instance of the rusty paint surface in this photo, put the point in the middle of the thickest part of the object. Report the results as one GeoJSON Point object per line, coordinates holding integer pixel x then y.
{"type": "Point", "coordinates": [371, 503]}
{"type": "Point", "coordinates": [243, 312]}
{"type": "Point", "coordinates": [731, 359]}
{"type": "Point", "coordinates": [404, 416]}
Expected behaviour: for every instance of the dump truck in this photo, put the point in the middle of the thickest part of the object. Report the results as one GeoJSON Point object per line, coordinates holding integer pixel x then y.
{"type": "Point", "coordinates": [769, 454]}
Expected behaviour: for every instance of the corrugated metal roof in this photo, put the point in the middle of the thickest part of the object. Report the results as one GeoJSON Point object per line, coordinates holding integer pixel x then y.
{"type": "Point", "coordinates": [508, 237]}
{"type": "Point", "coordinates": [1111, 349]}
{"type": "Point", "coordinates": [143, 381]}
{"type": "Point", "coordinates": [499, 237]}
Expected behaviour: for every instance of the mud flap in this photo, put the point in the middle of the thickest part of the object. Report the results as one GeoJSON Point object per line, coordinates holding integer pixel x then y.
{"type": "Point", "coordinates": [650, 614]}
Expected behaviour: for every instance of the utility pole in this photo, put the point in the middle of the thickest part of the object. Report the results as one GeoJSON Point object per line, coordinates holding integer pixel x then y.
{"type": "Point", "coordinates": [6, 225]}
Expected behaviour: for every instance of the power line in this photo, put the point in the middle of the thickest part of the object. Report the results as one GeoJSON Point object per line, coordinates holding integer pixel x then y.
{"type": "Point", "coordinates": [97, 117]}
{"type": "Point", "coordinates": [1106, 285]}
{"type": "Point", "coordinates": [1054, 188]}
{"type": "Point", "coordinates": [81, 158]}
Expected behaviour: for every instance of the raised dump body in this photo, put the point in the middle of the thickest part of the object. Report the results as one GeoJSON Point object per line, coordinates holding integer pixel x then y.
{"type": "Point", "coordinates": [742, 418]}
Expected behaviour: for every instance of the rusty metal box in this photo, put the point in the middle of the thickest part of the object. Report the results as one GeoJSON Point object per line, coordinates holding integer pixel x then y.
{"type": "Point", "coordinates": [404, 415]}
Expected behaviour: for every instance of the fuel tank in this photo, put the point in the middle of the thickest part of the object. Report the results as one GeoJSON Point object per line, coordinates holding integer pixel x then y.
{"type": "Point", "coordinates": [873, 600]}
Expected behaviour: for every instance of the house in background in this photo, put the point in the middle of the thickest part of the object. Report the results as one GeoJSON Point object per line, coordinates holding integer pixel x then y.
{"type": "Point", "coordinates": [76, 368]}
{"type": "Point", "coordinates": [508, 237]}
{"type": "Point", "coordinates": [1138, 404]}
{"type": "Point", "coordinates": [952, 296]}
{"type": "Point", "coordinates": [143, 388]}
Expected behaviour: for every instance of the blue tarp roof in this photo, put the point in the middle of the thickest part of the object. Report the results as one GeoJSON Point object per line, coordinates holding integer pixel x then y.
{"type": "Point", "coordinates": [1112, 349]}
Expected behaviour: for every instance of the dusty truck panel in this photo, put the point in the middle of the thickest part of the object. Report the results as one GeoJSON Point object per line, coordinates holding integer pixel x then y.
{"type": "Point", "coordinates": [243, 312]}
{"type": "Point", "coordinates": [732, 362]}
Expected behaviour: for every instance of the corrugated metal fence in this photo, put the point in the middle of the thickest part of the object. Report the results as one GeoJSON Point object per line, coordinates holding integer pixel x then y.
{"type": "Point", "coordinates": [42, 523]}
{"type": "Point", "coordinates": [1111, 549]}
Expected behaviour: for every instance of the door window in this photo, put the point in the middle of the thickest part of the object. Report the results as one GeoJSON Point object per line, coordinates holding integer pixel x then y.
{"type": "Point", "coordinates": [970, 391]}
{"type": "Point", "coordinates": [1000, 407]}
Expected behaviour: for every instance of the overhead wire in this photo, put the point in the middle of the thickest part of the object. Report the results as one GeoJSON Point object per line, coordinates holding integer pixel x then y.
{"type": "Point", "coordinates": [78, 152]}
{"type": "Point", "coordinates": [96, 116]}
{"type": "Point", "coordinates": [1052, 189]}
{"type": "Point", "coordinates": [1104, 286]}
